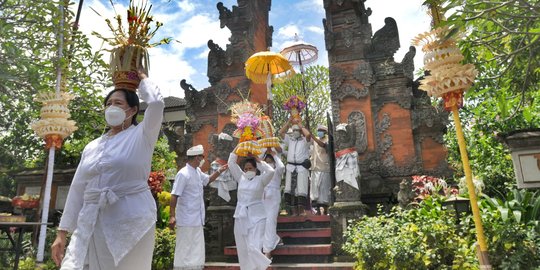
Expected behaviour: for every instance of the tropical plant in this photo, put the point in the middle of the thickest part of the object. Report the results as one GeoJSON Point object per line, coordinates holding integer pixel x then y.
{"type": "Point", "coordinates": [519, 206]}
{"type": "Point", "coordinates": [163, 257]}
{"type": "Point", "coordinates": [426, 237]}
{"type": "Point", "coordinates": [317, 96]}
{"type": "Point", "coordinates": [28, 46]}
{"type": "Point", "coordinates": [420, 238]}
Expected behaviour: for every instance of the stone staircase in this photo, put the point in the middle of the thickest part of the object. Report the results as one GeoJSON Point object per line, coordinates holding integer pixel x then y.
{"type": "Point", "coordinates": [306, 245]}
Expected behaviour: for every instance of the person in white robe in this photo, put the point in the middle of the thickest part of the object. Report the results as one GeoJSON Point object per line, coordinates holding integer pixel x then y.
{"type": "Point", "coordinates": [320, 183]}
{"type": "Point", "coordinates": [272, 202]}
{"type": "Point", "coordinates": [187, 211]}
{"type": "Point", "coordinates": [109, 208]}
{"type": "Point", "coordinates": [250, 214]}
{"type": "Point", "coordinates": [297, 168]}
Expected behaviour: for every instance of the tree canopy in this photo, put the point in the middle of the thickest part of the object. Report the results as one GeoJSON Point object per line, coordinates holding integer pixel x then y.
{"type": "Point", "coordinates": [317, 95]}
{"type": "Point", "coordinates": [28, 53]}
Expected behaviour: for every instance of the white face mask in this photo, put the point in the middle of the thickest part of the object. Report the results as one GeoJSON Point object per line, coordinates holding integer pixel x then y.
{"type": "Point", "coordinates": [296, 134]}
{"type": "Point", "coordinates": [250, 174]}
{"type": "Point", "coordinates": [201, 163]}
{"type": "Point", "coordinates": [114, 116]}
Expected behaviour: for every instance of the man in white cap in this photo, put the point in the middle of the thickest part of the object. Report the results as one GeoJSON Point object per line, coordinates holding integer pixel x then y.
{"type": "Point", "coordinates": [320, 171]}
{"type": "Point", "coordinates": [187, 210]}
{"type": "Point", "coordinates": [297, 168]}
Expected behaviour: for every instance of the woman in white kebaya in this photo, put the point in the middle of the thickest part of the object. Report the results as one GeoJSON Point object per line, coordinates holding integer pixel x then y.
{"type": "Point", "coordinates": [110, 209]}
{"type": "Point", "coordinates": [250, 213]}
{"type": "Point", "coordinates": [272, 201]}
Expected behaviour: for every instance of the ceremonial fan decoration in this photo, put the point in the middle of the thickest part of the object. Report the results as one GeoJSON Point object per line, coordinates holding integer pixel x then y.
{"type": "Point", "coordinates": [54, 125]}
{"type": "Point", "coordinates": [448, 78]}
{"type": "Point", "coordinates": [294, 105]}
{"type": "Point", "coordinates": [246, 116]}
{"type": "Point", "coordinates": [131, 44]}
{"type": "Point", "coordinates": [268, 140]}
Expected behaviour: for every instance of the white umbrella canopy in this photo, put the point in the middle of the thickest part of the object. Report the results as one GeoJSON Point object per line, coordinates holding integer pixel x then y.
{"type": "Point", "coordinates": [300, 53]}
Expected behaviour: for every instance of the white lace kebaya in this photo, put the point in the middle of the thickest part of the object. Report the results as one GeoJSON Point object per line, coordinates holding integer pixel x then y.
{"type": "Point", "coordinates": [110, 187]}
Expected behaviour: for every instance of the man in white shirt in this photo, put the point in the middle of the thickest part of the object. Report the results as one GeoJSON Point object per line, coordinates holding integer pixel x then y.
{"type": "Point", "coordinates": [187, 210]}
{"type": "Point", "coordinates": [297, 168]}
{"type": "Point", "coordinates": [320, 185]}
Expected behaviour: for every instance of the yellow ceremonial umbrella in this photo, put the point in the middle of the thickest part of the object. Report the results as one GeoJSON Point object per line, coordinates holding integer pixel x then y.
{"type": "Point", "coordinates": [449, 79]}
{"type": "Point", "coordinates": [263, 66]}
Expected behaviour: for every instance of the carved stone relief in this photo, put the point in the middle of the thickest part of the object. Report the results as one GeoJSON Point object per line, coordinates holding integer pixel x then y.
{"type": "Point", "coordinates": [348, 90]}
{"type": "Point", "coordinates": [337, 75]}
{"type": "Point", "coordinates": [348, 36]}
{"type": "Point", "coordinates": [361, 140]}
{"type": "Point", "coordinates": [364, 73]}
{"type": "Point", "coordinates": [196, 125]}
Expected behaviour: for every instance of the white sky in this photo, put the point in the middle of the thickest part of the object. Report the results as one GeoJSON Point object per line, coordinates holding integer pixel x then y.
{"type": "Point", "coordinates": [194, 22]}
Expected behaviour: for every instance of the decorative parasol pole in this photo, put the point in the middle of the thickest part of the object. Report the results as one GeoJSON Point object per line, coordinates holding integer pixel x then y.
{"type": "Point", "coordinates": [262, 66]}
{"type": "Point", "coordinates": [449, 79]}
{"type": "Point", "coordinates": [54, 126]}
{"type": "Point", "coordinates": [301, 53]}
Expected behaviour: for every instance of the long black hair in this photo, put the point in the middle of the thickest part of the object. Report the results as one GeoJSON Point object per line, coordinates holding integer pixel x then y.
{"type": "Point", "coordinates": [132, 99]}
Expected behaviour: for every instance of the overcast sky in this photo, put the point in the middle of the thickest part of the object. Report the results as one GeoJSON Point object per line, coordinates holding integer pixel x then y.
{"type": "Point", "coordinates": [194, 22]}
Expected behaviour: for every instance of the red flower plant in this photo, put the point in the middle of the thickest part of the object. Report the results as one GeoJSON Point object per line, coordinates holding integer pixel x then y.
{"type": "Point", "coordinates": [155, 182]}
{"type": "Point", "coordinates": [425, 186]}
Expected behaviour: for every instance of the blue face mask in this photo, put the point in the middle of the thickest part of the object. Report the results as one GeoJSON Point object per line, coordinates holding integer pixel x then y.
{"type": "Point", "coordinates": [320, 134]}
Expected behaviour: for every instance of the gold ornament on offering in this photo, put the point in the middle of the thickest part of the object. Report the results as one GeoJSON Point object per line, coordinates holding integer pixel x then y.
{"type": "Point", "coordinates": [130, 46]}
{"type": "Point", "coordinates": [268, 140]}
{"type": "Point", "coordinates": [246, 116]}
{"type": "Point", "coordinates": [54, 125]}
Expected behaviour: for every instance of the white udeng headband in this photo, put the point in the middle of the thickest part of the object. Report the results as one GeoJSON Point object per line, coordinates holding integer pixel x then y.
{"type": "Point", "coordinates": [225, 137]}
{"type": "Point", "coordinates": [342, 126]}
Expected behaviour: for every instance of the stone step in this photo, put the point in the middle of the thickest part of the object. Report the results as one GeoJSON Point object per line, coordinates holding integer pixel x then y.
{"type": "Point", "coordinates": [305, 236]}
{"type": "Point", "coordinates": [292, 250]}
{"type": "Point", "coordinates": [285, 266]}
{"type": "Point", "coordinates": [303, 222]}
{"type": "Point", "coordinates": [305, 233]}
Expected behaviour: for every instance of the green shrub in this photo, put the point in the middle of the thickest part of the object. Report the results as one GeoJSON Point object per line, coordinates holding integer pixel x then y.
{"type": "Point", "coordinates": [164, 249]}
{"type": "Point", "coordinates": [421, 238]}
{"type": "Point", "coordinates": [427, 237]}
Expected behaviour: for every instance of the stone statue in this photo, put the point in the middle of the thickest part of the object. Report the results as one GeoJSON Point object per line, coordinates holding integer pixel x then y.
{"type": "Point", "coordinates": [347, 168]}
{"type": "Point", "coordinates": [216, 60]}
{"type": "Point", "coordinates": [406, 194]}
{"type": "Point", "coordinates": [344, 137]}
{"type": "Point", "coordinates": [385, 42]}
{"type": "Point", "coordinates": [224, 14]}
{"type": "Point", "coordinates": [408, 63]}
{"type": "Point", "coordinates": [223, 145]}
{"type": "Point", "coordinates": [361, 11]}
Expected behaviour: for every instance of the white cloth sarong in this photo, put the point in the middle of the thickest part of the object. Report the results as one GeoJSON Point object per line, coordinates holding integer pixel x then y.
{"type": "Point", "coordinates": [320, 187]}
{"type": "Point", "coordinates": [95, 201]}
{"type": "Point", "coordinates": [347, 169]}
{"type": "Point", "coordinates": [99, 257]}
{"type": "Point", "coordinates": [189, 251]}
{"type": "Point", "coordinates": [272, 200]}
